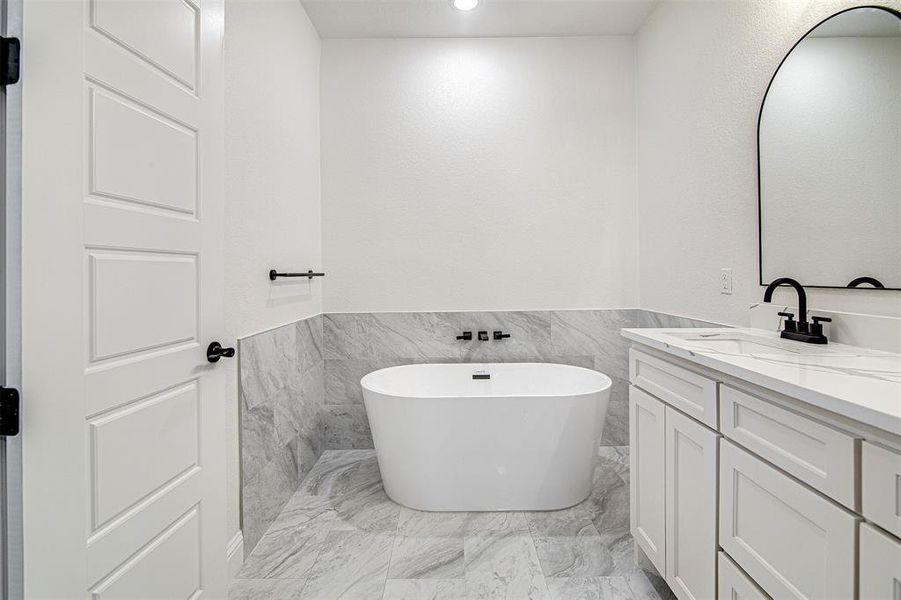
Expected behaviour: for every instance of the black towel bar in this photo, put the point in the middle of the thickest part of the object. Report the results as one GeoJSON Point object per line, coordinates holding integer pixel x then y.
{"type": "Point", "coordinates": [309, 275]}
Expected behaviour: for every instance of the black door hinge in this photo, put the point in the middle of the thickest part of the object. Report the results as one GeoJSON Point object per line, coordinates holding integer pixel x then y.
{"type": "Point", "coordinates": [10, 49]}
{"type": "Point", "coordinates": [9, 411]}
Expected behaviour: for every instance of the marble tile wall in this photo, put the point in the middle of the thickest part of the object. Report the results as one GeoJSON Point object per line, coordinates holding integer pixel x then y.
{"type": "Point", "coordinates": [357, 343]}
{"type": "Point", "coordinates": [282, 376]}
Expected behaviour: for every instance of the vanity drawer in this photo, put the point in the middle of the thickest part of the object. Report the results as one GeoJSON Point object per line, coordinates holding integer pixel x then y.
{"type": "Point", "coordinates": [820, 456]}
{"type": "Point", "coordinates": [792, 541]}
{"type": "Point", "coordinates": [882, 487]}
{"type": "Point", "coordinates": [693, 394]}
{"type": "Point", "coordinates": [734, 584]}
{"type": "Point", "coordinates": [880, 564]}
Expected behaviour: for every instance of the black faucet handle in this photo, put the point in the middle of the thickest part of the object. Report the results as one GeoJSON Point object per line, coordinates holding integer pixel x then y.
{"type": "Point", "coordinates": [500, 335]}
{"type": "Point", "coordinates": [467, 335]}
{"type": "Point", "coordinates": [816, 328]}
{"type": "Point", "coordinates": [790, 324]}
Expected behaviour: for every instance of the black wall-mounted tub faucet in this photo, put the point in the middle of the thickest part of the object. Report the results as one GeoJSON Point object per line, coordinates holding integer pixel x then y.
{"type": "Point", "coordinates": [483, 336]}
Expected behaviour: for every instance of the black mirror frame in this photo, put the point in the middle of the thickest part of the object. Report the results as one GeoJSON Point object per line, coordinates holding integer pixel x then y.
{"type": "Point", "coordinates": [762, 283]}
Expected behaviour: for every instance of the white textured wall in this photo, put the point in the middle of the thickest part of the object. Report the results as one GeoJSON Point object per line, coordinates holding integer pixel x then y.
{"type": "Point", "coordinates": [702, 70]}
{"type": "Point", "coordinates": [831, 162]}
{"type": "Point", "coordinates": [273, 209]}
{"type": "Point", "coordinates": [478, 173]}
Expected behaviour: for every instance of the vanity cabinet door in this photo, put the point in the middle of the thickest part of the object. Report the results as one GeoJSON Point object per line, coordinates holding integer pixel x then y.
{"type": "Point", "coordinates": [647, 509]}
{"type": "Point", "coordinates": [880, 565]}
{"type": "Point", "coordinates": [882, 487]}
{"type": "Point", "coordinates": [734, 584]}
{"type": "Point", "coordinates": [691, 465]}
{"type": "Point", "coordinates": [792, 541]}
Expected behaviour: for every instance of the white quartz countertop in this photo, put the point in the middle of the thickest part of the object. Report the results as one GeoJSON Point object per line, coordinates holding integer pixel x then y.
{"type": "Point", "coordinates": [858, 383]}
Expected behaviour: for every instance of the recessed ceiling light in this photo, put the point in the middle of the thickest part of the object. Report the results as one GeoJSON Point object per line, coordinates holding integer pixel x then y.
{"type": "Point", "coordinates": [465, 4]}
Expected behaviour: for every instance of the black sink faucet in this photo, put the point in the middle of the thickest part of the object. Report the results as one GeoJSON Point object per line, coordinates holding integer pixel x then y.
{"type": "Point", "coordinates": [802, 298]}
{"type": "Point", "coordinates": [800, 331]}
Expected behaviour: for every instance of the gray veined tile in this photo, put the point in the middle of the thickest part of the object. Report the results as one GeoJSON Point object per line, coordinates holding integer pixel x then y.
{"type": "Point", "coordinates": [391, 335]}
{"type": "Point", "coordinates": [259, 443]}
{"type": "Point", "coordinates": [287, 554]}
{"type": "Point", "coordinates": [352, 565]}
{"type": "Point", "coordinates": [503, 565]}
{"type": "Point", "coordinates": [649, 318]}
{"type": "Point", "coordinates": [530, 335]}
{"type": "Point", "coordinates": [303, 511]}
{"type": "Point", "coordinates": [352, 484]}
{"type": "Point", "coordinates": [475, 522]}
{"type": "Point", "coordinates": [639, 572]}
{"type": "Point", "coordinates": [568, 544]}
{"type": "Point", "coordinates": [298, 409]}
{"type": "Point", "coordinates": [365, 508]}
{"type": "Point", "coordinates": [417, 523]}
{"type": "Point", "coordinates": [427, 558]}
{"type": "Point", "coordinates": [609, 505]}
{"type": "Point", "coordinates": [589, 588]}
{"type": "Point", "coordinates": [595, 332]}
{"type": "Point", "coordinates": [346, 427]}
{"type": "Point", "coordinates": [581, 555]}
{"type": "Point", "coordinates": [616, 424]}
{"type": "Point", "coordinates": [425, 589]}
{"type": "Point", "coordinates": [567, 522]}
{"type": "Point", "coordinates": [331, 467]}
{"type": "Point", "coordinates": [309, 343]}
{"type": "Point", "coordinates": [268, 363]}
{"type": "Point", "coordinates": [265, 589]}
{"type": "Point", "coordinates": [615, 366]}
{"type": "Point", "coordinates": [343, 375]}
{"type": "Point", "coordinates": [614, 458]}
{"type": "Point", "coordinates": [264, 496]}
{"type": "Point", "coordinates": [648, 586]}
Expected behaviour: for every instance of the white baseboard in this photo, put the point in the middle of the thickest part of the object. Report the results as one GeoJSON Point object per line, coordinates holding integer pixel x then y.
{"type": "Point", "coordinates": [234, 554]}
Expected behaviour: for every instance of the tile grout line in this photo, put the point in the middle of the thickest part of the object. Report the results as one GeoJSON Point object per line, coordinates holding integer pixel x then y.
{"type": "Point", "coordinates": [544, 576]}
{"type": "Point", "coordinates": [393, 544]}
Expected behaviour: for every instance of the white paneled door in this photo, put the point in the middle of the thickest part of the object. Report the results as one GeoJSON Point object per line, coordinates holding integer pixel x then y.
{"type": "Point", "coordinates": [123, 431]}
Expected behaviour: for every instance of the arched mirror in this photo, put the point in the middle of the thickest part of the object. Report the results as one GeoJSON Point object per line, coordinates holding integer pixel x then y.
{"type": "Point", "coordinates": [829, 156]}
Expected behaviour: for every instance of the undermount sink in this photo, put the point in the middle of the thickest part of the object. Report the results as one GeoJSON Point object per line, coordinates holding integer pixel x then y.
{"type": "Point", "coordinates": [739, 346]}
{"type": "Point", "coordinates": [743, 344]}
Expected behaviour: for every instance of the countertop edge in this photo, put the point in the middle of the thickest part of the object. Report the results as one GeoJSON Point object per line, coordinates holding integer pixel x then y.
{"type": "Point", "coordinates": [862, 414]}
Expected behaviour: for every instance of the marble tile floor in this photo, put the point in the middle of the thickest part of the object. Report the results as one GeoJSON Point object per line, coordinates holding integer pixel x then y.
{"type": "Point", "coordinates": [340, 536]}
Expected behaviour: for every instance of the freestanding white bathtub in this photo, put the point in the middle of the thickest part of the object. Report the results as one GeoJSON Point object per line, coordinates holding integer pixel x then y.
{"type": "Point", "coordinates": [525, 439]}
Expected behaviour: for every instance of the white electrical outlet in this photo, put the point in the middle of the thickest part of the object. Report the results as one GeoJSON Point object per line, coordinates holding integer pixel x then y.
{"type": "Point", "coordinates": [725, 281]}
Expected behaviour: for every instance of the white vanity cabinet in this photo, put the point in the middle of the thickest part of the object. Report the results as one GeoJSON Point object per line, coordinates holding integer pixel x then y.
{"type": "Point", "coordinates": [673, 486]}
{"type": "Point", "coordinates": [741, 491]}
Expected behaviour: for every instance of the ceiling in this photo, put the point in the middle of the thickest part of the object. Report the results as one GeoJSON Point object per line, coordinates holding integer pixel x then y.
{"type": "Point", "coordinates": [492, 18]}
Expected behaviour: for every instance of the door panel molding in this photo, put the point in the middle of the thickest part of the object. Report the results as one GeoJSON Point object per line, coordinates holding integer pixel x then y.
{"type": "Point", "coordinates": [123, 169]}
